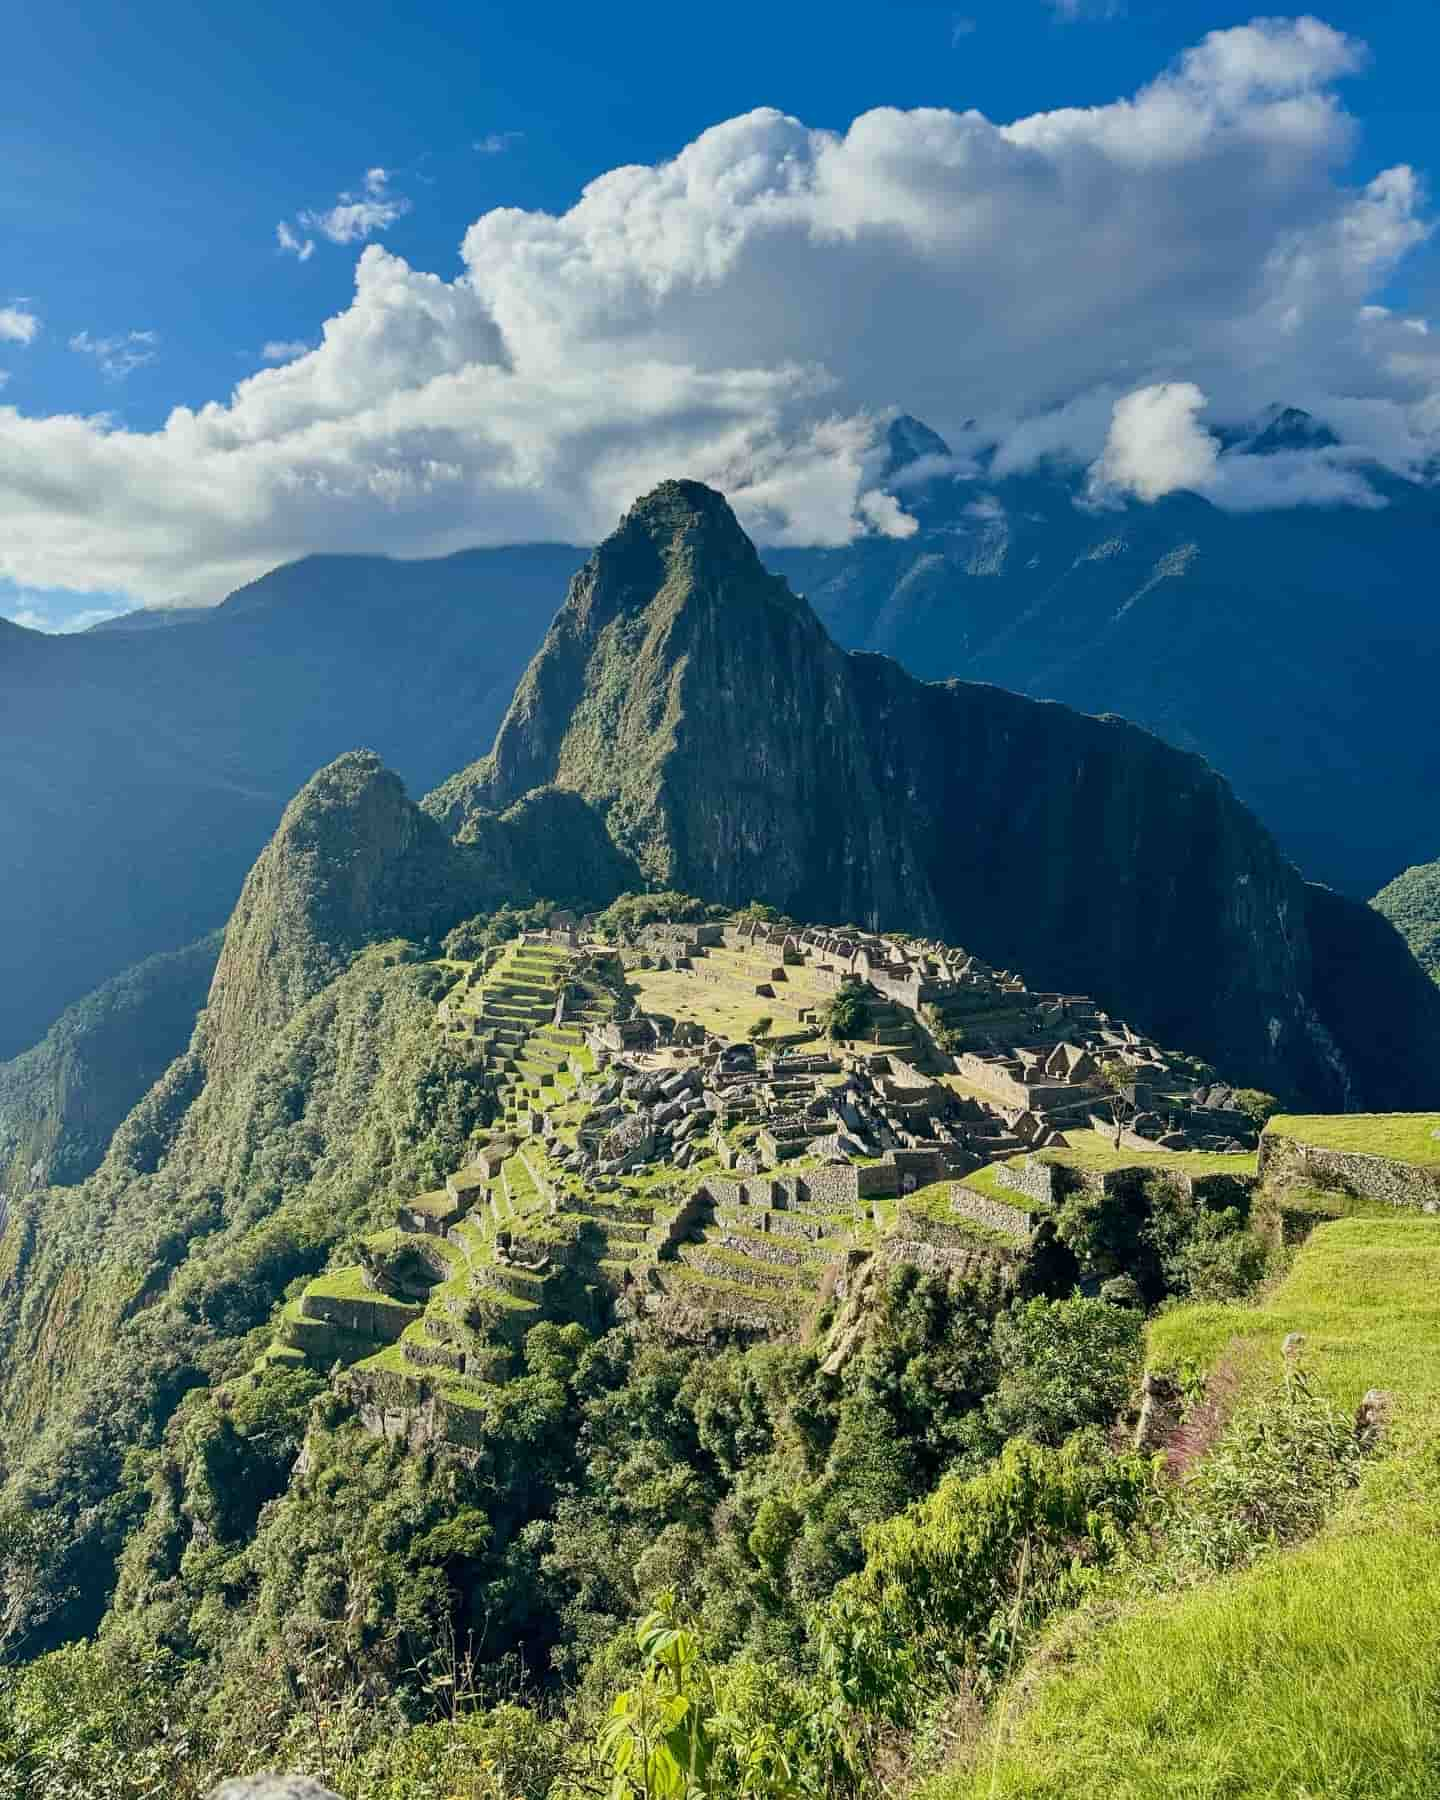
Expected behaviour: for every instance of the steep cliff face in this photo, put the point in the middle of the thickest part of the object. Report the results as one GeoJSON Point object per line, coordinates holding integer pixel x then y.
{"type": "Point", "coordinates": [1241, 635]}
{"type": "Point", "coordinates": [688, 697]}
{"type": "Point", "coordinates": [1376, 1001]}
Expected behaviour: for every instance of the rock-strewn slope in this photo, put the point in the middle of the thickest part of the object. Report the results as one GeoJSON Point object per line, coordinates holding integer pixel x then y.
{"type": "Point", "coordinates": [734, 751]}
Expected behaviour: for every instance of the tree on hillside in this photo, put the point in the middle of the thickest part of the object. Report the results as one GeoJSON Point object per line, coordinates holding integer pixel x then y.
{"type": "Point", "coordinates": [846, 1014]}
{"type": "Point", "coordinates": [1257, 1105]}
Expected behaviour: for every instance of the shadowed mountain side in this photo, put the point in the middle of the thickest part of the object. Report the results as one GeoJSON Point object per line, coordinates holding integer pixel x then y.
{"type": "Point", "coordinates": [735, 752]}
{"type": "Point", "coordinates": [1377, 1001]}
{"type": "Point", "coordinates": [1295, 647]}
{"type": "Point", "coordinates": [145, 769]}
{"type": "Point", "coordinates": [61, 1101]}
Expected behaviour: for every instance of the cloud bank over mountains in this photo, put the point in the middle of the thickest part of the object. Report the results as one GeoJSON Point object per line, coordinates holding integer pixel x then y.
{"type": "Point", "coordinates": [1094, 283]}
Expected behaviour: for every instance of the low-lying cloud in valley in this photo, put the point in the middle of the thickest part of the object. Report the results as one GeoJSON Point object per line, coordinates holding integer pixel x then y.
{"type": "Point", "coordinates": [1092, 282]}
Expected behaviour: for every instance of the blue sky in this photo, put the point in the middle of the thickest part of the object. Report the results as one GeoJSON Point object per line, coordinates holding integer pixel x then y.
{"type": "Point", "coordinates": [150, 155]}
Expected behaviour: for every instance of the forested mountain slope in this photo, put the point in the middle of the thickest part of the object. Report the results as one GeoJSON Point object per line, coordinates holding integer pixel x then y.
{"type": "Point", "coordinates": [314, 1094]}
{"type": "Point", "coordinates": [1411, 902]}
{"type": "Point", "coordinates": [61, 1101]}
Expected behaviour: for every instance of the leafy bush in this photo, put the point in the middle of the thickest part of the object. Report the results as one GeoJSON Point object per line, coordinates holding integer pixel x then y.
{"type": "Point", "coordinates": [1273, 1477]}
{"type": "Point", "coordinates": [469, 941]}
{"type": "Point", "coordinates": [624, 919]}
{"type": "Point", "coordinates": [950, 1584]}
{"type": "Point", "coordinates": [846, 1014]}
{"type": "Point", "coordinates": [1256, 1104]}
{"type": "Point", "coordinates": [1064, 1364]}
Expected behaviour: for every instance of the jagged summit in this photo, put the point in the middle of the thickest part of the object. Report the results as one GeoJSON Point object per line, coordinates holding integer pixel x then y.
{"type": "Point", "coordinates": [702, 714]}
{"type": "Point", "coordinates": [1290, 428]}
{"type": "Point", "coordinates": [907, 440]}
{"type": "Point", "coordinates": [680, 541]}
{"type": "Point", "coordinates": [680, 515]}
{"type": "Point", "coordinates": [674, 603]}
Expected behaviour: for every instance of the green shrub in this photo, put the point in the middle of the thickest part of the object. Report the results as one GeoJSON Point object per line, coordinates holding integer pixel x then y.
{"type": "Point", "coordinates": [1274, 1477]}
{"type": "Point", "coordinates": [846, 1014]}
{"type": "Point", "coordinates": [1064, 1364]}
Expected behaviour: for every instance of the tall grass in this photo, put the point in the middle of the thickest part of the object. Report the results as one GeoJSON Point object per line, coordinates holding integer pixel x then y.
{"type": "Point", "coordinates": [1315, 1672]}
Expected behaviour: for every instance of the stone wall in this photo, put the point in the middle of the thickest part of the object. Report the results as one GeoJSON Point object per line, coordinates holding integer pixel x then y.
{"type": "Point", "coordinates": [1040, 1183]}
{"type": "Point", "coordinates": [970, 1203]}
{"type": "Point", "coordinates": [834, 1189]}
{"type": "Point", "coordinates": [382, 1318]}
{"type": "Point", "coordinates": [968, 1258]}
{"type": "Point", "coordinates": [1380, 1178]}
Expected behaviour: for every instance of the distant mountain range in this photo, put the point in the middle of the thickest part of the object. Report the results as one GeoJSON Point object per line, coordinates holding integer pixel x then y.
{"type": "Point", "coordinates": [147, 761]}
{"type": "Point", "coordinates": [144, 769]}
{"type": "Point", "coordinates": [1297, 650]}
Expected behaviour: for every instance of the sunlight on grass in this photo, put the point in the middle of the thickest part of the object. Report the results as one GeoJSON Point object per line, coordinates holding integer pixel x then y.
{"type": "Point", "coordinates": [1317, 1672]}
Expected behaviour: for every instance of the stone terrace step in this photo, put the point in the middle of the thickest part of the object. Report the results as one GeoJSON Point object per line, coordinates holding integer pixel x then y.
{"type": "Point", "coordinates": [767, 1306]}
{"type": "Point", "coordinates": [809, 1224]}
{"type": "Point", "coordinates": [792, 1253]}
{"type": "Point", "coordinates": [523, 1284]}
{"type": "Point", "coordinates": [733, 1265]}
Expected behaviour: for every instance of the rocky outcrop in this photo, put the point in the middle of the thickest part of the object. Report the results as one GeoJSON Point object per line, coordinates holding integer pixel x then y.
{"type": "Point", "coordinates": [693, 702]}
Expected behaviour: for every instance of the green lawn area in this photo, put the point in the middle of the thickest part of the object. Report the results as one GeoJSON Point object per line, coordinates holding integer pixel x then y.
{"type": "Point", "coordinates": [1405, 1137]}
{"type": "Point", "coordinates": [1312, 1674]}
{"type": "Point", "coordinates": [934, 1202]}
{"type": "Point", "coordinates": [1089, 1150]}
{"type": "Point", "coordinates": [984, 1180]}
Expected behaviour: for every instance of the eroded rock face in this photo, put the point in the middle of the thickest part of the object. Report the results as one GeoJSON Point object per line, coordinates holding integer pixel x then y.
{"type": "Point", "coordinates": [733, 751]}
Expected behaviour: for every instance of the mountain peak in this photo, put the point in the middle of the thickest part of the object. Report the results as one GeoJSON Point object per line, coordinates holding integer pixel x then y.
{"type": "Point", "coordinates": [353, 860]}
{"type": "Point", "coordinates": [682, 519]}
{"type": "Point", "coordinates": [907, 440]}
{"type": "Point", "coordinates": [1291, 428]}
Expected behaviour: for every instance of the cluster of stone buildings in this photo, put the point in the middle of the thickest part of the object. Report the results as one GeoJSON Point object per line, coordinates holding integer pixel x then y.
{"type": "Point", "coordinates": [992, 1067]}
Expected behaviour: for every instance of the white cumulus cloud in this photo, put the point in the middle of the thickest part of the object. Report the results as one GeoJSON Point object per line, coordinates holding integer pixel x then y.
{"type": "Point", "coordinates": [18, 325]}
{"type": "Point", "coordinates": [284, 349]}
{"type": "Point", "coordinates": [751, 312]}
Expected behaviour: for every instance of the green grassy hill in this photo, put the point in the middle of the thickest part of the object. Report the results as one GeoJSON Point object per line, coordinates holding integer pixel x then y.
{"type": "Point", "coordinates": [1312, 1673]}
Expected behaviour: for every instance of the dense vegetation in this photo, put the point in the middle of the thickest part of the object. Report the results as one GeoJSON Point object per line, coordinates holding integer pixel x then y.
{"type": "Point", "coordinates": [61, 1101]}
{"type": "Point", "coordinates": [444, 1624]}
{"type": "Point", "coordinates": [1411, 902]}
{"type": "Point", "coordinates": [833, 1575]}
